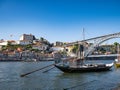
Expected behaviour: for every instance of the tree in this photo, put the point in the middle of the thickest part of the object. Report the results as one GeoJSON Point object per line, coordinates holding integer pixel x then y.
{"type": "Point", "coordinates": [41, 39]}
{"type": "Point", "coordinates": [102, 50]}
{"type": "Point", "coordinates": [75, 48]}
{"type": "Point", "coordinates": [115, 46]}
{"type": "Point", "coordinates": [28, 47]}
{"type": "Point", "coordinates": [116, 43]}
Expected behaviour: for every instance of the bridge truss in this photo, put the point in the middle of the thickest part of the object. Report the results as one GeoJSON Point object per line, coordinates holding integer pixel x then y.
{"type": "Point", "coordinates": [98, 41]}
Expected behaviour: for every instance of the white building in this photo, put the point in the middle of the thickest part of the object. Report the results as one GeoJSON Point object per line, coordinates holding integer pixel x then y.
{"type": "Point", "coordinates": [3, 43]}
{"type": "Point", "coordinates": [57, 48]}
{"type": "Point", "coordinates": [12, 42]}
{"type": "Point", "coordinates": [40, 47]}
{"type": "Point", "coordinates": [24, 42]}
{"type": "Point", "coordinates": [27, 37]}
{"type": "Point", "coordinates": [58, 43]}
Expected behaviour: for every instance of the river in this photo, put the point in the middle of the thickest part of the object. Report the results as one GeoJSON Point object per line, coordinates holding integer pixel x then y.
{"type": "Point", "coordinates": [55, 79]}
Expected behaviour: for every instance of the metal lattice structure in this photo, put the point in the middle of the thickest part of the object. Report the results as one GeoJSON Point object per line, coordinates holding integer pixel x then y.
{"type": "Point", "coordinates": [98, 41]}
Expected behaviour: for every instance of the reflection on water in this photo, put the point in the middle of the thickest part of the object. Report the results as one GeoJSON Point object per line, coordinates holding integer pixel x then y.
{"type": "Point", "coordinates": [54, 79]}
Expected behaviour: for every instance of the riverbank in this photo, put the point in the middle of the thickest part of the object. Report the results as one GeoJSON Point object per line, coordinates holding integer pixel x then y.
{"type": "Point", "coordinates": [24, 60]}
{"type": "Point", "coordinates": [50, 58]}
{"type": "Point", "coordinates": [102, 57]}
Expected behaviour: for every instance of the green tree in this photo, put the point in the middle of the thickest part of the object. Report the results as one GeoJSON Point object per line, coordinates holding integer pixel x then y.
{"type": "Point", "coordinates": [116, 43]}
{"type": "Point", "coordinates": [28, 47]}
{"type": "Point", "coordinates": [75, 48]}
{"type": "Point", "coordinates": [41, 39]}
{"type": "Point", "coordinates": [115, 46]}
{"type": "Point", "coordinates": [103, 50]}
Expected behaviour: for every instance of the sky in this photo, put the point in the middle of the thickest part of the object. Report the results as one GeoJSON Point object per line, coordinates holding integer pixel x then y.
{"type": "Point", "coordinates": [59, 20]}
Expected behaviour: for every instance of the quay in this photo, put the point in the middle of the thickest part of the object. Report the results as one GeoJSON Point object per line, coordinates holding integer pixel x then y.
{"type": "Point", "coordinates": [90, 57]}
{"type": "Point", "coordinates": [24, 60]}
{"type": "Point", "coordinates": [102, 57]}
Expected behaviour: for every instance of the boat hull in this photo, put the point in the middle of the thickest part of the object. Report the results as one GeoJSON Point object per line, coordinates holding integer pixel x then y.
{"type": "Point", "coordinates": [83, 69]}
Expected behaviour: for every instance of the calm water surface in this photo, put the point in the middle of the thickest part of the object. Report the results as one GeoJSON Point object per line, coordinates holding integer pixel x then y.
{"type": "Point", "coordinates": [55, 79]}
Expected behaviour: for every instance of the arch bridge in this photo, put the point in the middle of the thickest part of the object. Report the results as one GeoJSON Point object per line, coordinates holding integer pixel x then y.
{"type": "Point", "coordinates": [98, 41]}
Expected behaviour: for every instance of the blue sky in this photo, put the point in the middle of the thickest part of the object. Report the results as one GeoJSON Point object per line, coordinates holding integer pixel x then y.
{"type": "Point", "coordinates": [59, 20]}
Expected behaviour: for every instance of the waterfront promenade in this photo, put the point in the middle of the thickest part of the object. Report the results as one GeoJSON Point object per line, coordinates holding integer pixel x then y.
{"type": "Point", "coordinates": [43, 57]}
{"type": "Point", "coordinates": [102, 57]}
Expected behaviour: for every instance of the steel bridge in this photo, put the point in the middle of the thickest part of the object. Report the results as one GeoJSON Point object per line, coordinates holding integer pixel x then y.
{"type": "Point", "coordinates": [97, 41]}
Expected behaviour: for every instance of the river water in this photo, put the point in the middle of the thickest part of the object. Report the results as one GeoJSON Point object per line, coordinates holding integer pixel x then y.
{"type": "Point", "coordinates": [55, 79]}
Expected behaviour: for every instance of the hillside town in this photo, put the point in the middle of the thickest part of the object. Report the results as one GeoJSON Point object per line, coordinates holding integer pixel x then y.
{"type": "Point", "coordinates": [29, 48]}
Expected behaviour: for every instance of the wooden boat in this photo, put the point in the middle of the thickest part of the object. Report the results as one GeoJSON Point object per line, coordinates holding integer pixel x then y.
{"type": "Point", "coordinates": [77, 64]}
{"type": "Point", "coordinates": [117, 61]}
{"type": "Point", "coordinates": [72, 65]}
{"type": "Point", "coordinates": [83, 67]}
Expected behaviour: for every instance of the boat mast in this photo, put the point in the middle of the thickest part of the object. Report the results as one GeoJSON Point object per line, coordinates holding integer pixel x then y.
{"type": "Point", "coordinates": [83, 43]}
{"type": "Point", "coordinates": [81, 47]}
{"type": "Point", "coordinates": [83, 34]}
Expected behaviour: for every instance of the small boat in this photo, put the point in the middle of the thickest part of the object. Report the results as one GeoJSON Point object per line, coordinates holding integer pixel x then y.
{"type": "Point", "coordinates": [117, 61]}
{"type": "Point", "coordinates": [83, 67]}
{"type": "Point", "coordinates": [77, 64]}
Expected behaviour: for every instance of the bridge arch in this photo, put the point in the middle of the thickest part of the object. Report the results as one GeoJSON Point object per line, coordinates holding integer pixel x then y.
{"type": "Point", "coordinates": [98, 41]}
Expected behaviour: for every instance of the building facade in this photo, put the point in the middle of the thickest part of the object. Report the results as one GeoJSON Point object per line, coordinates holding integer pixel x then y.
{"type": "Point", "coordinates": [27, 37]}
